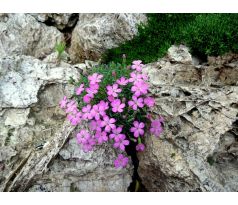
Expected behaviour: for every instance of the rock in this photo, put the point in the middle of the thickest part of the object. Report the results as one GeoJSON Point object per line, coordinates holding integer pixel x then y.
{"type": "Point", "coordinates": [29, 111]}
{"type": "Point", "coordinates": [198, 149]}
{"type": "Point", "coordinates": [74, 170]}
{"type": "Point", "coordinates": [22, 34]}
{"type": "Point", "coordinates": [23, 76]}
{"type": "Point", "coordinates": [59, 20]}
{"type": "Point", "coordinates": [94, 33]}
{"type": "Point", "coordinates": [16, 117]}
{"type": "Point", "coordinates": [34, 140]}
{"type": "Point", "coordinates": [54, 58]}
{"type": "Point", "coordinates": [179, 54]}
{"type": "Point", "coordinates": [6, 153]}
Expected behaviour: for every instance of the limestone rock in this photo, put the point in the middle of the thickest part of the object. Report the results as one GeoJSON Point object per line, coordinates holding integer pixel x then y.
{"type": "Point", "coordinates": [22, 34]}
{"type": "Point", "coordinates": [59, 20]}
{"type": "Point", "coordinates": [74, 170]}
{"type": "Point", "coordinates": [23, 76]}
{"type": "Point", "coordinates": [38, 151]}
{"type": "Point", "coordinates": [16, 117]}
{"type": "Point", "coordinates": [94, 33]}
{"type": "Point", "coordinates": [198, 149]}
{"type": "Point", "coordinates": [179, 54]}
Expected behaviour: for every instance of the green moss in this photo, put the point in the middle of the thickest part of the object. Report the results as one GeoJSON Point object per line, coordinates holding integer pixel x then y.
{"type": "Point", "coordinates": [204, 34]}
{"type": "Point", "coordinates": [212, 34]}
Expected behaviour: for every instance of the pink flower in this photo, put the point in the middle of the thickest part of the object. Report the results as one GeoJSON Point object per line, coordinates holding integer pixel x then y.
{"type": "Point", "coordinates": [135, 77]}
{"type": "Point", "coordinates": [87, 98]}
{"type": "Point", "coordinates": [88, 144]}
{"type": "Point", "coordinates": [149, 101]}
{"type": "Point", "coordinates": [63, 102]}
{"type": "Point", "coordinates": [116, 134]}
{"type": "Point", "coordinates": [137, 62]}
{"type": "Point", "coordinates": [103, 105]}
{"type": "Point", "coordinates": [108, 123]}
{"type": "Point", "coordinates": [114, 74]}
{"type": "Point", "coordinates": [117, 106]}
{"type": "Point", "coordinates": [113, 90]}
{"type": "Point", "coordinates": [121, 143]}
{"type": "Point", "coordinates": [156, 127]}
{"type": "Point", "coordinates": [110, 98]}
{"type": "Point", "coordinates": [138, 128]}
{"type": "Point", "coordinates": [137, 65]}
{"type": "Point", "coordinates": [74, 119]}
{"type": "Point", "coordinates": [122, 81]}
{"type": "Point", "coordinates": [94, 86]}
{"type": "Point", "coordinates": [101, 137]}
{"type": "Point", "coordinates": [72, 107]}
{"type": "Point", "coordinates": [95, 78]}
{"type": "Point", "coordinates": [80, 89]}
{"type": "Point", "coordinates": [140, 88]}
{"type": "Point", "coordinates": [92, 90]}
{"type": "Point", "coordinates": [140, 147]}
{"type": "Point", "coordinates": [97, 111]}
{"type": "Point", "coordinates": [87, 112]}
{"type": "Point", "coordinates": [95, 125]}
{"type": "Point", "coordinates": [136, 103]}
{"type": "Point", "coordinates": [144, 76]}
{"type": "Point", "coordinates": [121, 161]}
{"type": "Point", "coordinates": [83, 136]}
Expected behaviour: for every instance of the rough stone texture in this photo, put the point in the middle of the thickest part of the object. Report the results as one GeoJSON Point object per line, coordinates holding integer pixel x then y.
{"type": "Point", "coordinates": [59, 20]}
{"type": "Point", "coordinates": [23, 76]}
{"type": "Point", "coordinates": [179, 54]}
{"type": "Point", "coordinates": [74, 170]}
{"type": "Point", "coordinates": [198, 148]}
{"type": "Point", "coordinates": [94, 33]}
{"type": "Point", "coordinates": [33, 132]}
{"type": "Point", "coordinates": [22, 34]}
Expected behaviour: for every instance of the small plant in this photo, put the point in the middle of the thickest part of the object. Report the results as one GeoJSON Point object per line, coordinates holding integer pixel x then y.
{"type": "Point", "coordinates": [60, 48]}
{"type": "Point", "coordinates": [115, 101]}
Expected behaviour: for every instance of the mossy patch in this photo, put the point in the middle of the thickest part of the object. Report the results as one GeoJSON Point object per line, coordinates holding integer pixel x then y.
{"type": "Point", "coordinates": [204, 34]}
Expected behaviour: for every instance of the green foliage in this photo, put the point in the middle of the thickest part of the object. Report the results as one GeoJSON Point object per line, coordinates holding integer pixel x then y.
{"type": "Point", "coordinates": [212, 34]}
{"type": "Point", "coordinates": [153, 40]}
{"type": "Point", "coordinates": [60, 48]}
{"type": "Point", "coordinates": [204, 34]}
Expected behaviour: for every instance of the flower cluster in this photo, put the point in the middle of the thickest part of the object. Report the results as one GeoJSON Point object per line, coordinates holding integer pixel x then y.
{"type": "Point", "coordinates": [115, 111]}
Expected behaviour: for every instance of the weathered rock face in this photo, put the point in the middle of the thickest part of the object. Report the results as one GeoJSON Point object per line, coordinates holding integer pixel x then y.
{"type": "Point", "coordinates": [38, 151]}
{"type": "Point", "coordinates": [94, 33]}
{"type": "Point", "coordinates": [198, 148]}
{"type": "Point", "coordinates": [22, 34]}
{"type": "Point", "coordinates": [23, 76]}
{"type": "Point", "coordinates": [60, 21]}
{"type": "Point", "coordinates": [74, 170]}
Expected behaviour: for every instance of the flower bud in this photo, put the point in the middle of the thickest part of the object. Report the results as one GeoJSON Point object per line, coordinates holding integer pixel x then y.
{"type": "Point", "coordinates": [113, 73]}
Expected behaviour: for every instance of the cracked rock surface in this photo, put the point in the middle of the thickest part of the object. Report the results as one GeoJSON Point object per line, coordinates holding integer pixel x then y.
{"type": "Point", "coordinates": [94, 33]}
{"type": "Point", "coordinates": [38, 151]}
{"type": "Point", "coordinates": [22, 34]}
{"type": "Point", "coordinates": [198, 149]}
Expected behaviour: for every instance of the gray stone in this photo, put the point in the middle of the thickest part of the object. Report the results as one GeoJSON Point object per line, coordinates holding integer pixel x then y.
{"type": "Point", "coordinates": [23, 76]}
{"type": "Point", "coordinates": [198, 149]}
{"type": "Point", "coordinates": [16, 117]}
{"type": "Point", "coordinates": [94, 33]}
{"type": "Point", "coordinates": [74, 170]}
{"type": "Point", "coordinates": [179, 54]}
{"type": "Point", "coordinates": [22, 34]}
{"type": "Point", "coordinates": [35, 141]}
